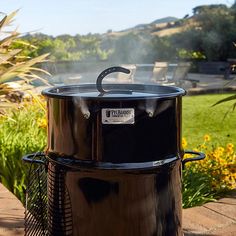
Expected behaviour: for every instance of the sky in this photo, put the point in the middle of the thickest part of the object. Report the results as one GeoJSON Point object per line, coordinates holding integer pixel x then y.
{"type": "Point", "coordinates": [56, 17]}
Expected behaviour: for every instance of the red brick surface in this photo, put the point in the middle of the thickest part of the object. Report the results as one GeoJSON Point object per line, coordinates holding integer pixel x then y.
{"type": "Point", "coordinates": [11, 214]}
{"type": "Point", "coordinates": [212, 219]}
{"type": "Point", "coordinates": [229, 230]}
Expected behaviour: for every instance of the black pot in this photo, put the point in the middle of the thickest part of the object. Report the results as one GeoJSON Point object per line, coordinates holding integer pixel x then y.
{"type": "Point", "coordinates": [126, 123]}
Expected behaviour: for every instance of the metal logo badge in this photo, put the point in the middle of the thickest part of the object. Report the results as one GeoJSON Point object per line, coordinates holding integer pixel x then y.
{"type": "Point", "coordinates": [118, 116]}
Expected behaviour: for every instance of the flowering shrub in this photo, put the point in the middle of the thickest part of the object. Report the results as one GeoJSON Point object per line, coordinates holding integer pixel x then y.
{"type": "Point", "coordinates": [22, 132]}
{"type": "Point", "coordinates": [208, 179]}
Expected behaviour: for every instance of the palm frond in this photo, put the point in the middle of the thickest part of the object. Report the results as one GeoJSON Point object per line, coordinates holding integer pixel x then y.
{"type": "Point", "coordinates": [40, 70]}
{"type": "Point", "coordinates": [13, 65]}
{"type": "Point", "coordinates": [230, 98]}
{"type": "Point", "coordinates": [4, 57]}
{"type": "Point", "coordinates": [2, 22]}
{"type": "Point", "coordinates": [39, 101]}
{"type": "Point", "coordinates": [23, 69]}
{"type": "Point", "coordinates": [8, 40]}
{"type": "Point", "coordinates": [8, 19]}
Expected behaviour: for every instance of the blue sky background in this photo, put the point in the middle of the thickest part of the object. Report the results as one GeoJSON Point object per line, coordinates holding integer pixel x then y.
{"type": "Point", "coordinates": [55, 17]}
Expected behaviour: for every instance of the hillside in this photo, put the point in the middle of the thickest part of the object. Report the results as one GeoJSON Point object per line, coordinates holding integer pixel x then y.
{"type": "Point", "coordinates": [164, 20]}
{"type": "Point", "coordinates": [161, 27]}
{"type": "Point", "coordinates": [172, 28]}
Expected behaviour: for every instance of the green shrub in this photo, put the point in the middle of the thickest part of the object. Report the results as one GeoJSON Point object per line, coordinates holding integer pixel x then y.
{"type": "Point", "coordinates": [196, 189]}
{"type": "Point", "coordinates": [20, 134]}
{"type": "Point", "coordinates": [211, 178]}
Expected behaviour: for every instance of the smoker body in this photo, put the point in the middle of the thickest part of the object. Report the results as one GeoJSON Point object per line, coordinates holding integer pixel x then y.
{"type": "Point", "coordinates": [125, 178]}
{"type": "Point", "coordinates": [75, 128]}
{"type": "Point", "coordinates": [113, 161]}
{"type": "Point", "coordinates": [90, 202]}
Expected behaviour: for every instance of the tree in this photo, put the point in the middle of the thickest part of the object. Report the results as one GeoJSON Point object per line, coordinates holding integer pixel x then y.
{"type": "Point", "coordinates": [211, 34]}
{"type": "Point", "coordinates": [203, 9]}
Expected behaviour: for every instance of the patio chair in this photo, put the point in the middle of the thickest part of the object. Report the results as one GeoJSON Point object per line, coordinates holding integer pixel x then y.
{"type": "Point", "coordinates": [126, 78]}
{"type": "Point", "coordinates": [120, 77]}
{"type": "Point", "coordinates": [143, 73]}
{"type": "Point", "coordinates": [181, 71]}
{"type": "Point", "coordinates": [180, 75]}
{"type": "Point", "coordinates": [159, 72]}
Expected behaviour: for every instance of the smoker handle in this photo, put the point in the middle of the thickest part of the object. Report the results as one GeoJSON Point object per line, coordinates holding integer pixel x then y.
{"type": "Point", "coordinates": [199, 156]}
{"type": "Point", "coordinates": [32, 158]}
{"type": "Point", "coordinates": [107, 72]}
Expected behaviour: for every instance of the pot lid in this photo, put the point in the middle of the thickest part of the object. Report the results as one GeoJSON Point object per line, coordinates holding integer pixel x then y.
{"type": "Point", "coordinates": [114, 91]}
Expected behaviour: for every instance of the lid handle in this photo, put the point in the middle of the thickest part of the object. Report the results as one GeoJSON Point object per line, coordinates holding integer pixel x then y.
{"type": "Point", "coordinates": [107, 72]}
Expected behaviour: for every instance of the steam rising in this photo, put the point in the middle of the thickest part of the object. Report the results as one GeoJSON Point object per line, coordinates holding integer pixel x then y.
{"type": "Point", "coordinates": [154, 107]}
{"type": "Point", "coordinates": [81, 103]}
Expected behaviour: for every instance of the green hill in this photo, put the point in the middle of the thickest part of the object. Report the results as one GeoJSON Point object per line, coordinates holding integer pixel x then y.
{"type": "Point", "coordinates": [165, 20]}
{"type": "Point", "coordinates": [150, 26]}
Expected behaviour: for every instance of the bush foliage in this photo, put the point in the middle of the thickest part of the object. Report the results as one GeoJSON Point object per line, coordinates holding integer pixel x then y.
{"type": "Point", "coordinates": [21, 133]}
{"type": "Point", "coordinates": [208, 179]}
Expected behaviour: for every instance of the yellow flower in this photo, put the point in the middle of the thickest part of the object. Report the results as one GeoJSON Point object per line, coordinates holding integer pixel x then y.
{"type": "Point", "coordinates": [230, 148]}
{"type": "Point", "coordinates": [42, 123]}
{"type": "Point", "coordinates": [230, 145]}
{"type": "Point", "coordinates": [226, 173]}
{"type": "Point", "coordinates": [184, 143]}
{"type": "Point", "coordinates": [219, 151]}
{"type": "Point", "coordinates": [207, 138]}
{"type": "Point", "coordinates": [226, 178]}
{"type": "Point", "coordinates": [220, 163]}
{"type": "Point", "coordinates": [203, 146]}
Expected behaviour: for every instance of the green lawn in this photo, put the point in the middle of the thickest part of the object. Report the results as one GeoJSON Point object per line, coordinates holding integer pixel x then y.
{"type": "Point", "coordinates": [200, 118]}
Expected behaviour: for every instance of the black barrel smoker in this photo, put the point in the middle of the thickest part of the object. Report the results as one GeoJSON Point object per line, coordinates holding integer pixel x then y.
{"type": "Point", "coordinates": [113, 162]}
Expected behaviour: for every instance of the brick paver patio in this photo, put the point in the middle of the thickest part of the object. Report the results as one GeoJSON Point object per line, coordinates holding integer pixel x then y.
{"type": "Point", "coordinates": [212, 219]}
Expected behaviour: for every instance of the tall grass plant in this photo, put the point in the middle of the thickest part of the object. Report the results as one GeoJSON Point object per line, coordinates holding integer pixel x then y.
{"type": "Point", "coordinates": [21, 133]}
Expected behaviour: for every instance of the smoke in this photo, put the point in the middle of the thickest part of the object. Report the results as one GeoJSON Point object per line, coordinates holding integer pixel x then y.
{"type": "Point", "coordinates": [81, 103]}
{"type": "Point", "coordinates": [132, 48]}
{"type": "Point", "coordinates": [154, 107]}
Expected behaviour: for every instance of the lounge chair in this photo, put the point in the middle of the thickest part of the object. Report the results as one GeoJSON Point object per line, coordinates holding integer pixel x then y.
{"type": "Point", "coordinates": [159, 72]}
{"type": "Point", "coordinates": [120, 77]}
{"type": "Point", "coordinates": [126, 78]}
{"type": "Point", "coordinates": [180, 75]}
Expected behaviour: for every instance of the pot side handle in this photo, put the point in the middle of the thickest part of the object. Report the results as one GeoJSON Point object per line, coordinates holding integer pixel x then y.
{"type": "Point", "coordinates": [34, 158]}
{"type": "Point", "coordinates": [199, 156]}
